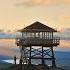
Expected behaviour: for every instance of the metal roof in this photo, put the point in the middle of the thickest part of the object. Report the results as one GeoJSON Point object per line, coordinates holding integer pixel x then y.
{"type": "Point", "coordinates": [37, 27]}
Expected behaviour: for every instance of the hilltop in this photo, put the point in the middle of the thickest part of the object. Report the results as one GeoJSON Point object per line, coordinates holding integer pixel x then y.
{"type": "Point", "coordinates": [33, 67]}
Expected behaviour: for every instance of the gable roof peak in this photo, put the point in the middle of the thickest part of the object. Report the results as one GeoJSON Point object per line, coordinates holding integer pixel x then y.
{"type": "Point", "coordinates": [38, 26]}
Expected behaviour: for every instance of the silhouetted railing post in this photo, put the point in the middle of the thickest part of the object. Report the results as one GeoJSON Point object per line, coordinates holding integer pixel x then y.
{"type": "Point", "coordinates": [30, 56]}
{"type": "Point", "coordinates": [20, 64]}
{"type": "Point", "coordinates": [42, 56]}
{"type": "Point", "coordinates": [15, 60]}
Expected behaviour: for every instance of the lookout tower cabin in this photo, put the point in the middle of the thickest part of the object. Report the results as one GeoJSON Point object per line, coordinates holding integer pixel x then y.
{"type": "Point", "coordinates": [36, 43]}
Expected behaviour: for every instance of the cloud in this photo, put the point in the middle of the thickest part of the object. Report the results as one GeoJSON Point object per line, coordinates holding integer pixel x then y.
{"type": "Point", "coordinates": [65, 34]}
{"type": "Point", "coordinates": [9, 35]}
{"type": "Point", "coordinates": [1, 30]}
{"type": "Point", "coordinates": [64, 17]}
{"type": "Point", "coordinates": [34, 2]}
{"type": "Point", "coordinates": [42, 2]}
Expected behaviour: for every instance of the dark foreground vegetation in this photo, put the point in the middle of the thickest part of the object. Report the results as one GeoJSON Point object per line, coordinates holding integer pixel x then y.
{"type": "Point", "coordinates": [31, 67]}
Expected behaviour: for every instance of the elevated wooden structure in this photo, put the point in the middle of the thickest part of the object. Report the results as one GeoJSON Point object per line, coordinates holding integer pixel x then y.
{"type": "Point", "coordinates": [37, 42]}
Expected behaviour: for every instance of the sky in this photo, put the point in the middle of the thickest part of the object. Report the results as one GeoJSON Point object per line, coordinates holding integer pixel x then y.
{"type": "Point", "coordinates": [8, 48]}
{"type": "Point", "coordinates": [17, 14]}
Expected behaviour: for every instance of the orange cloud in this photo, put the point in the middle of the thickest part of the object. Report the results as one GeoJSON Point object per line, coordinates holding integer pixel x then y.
{"type": "Point", "coordinates": [65, 44]}
{"type": "Point", "coordinates": [64, 17]}
{"type": "Point", "coordinates": [42, 2]}
{"type": "Point", "coordinates": [58, 2]}
{"type": "Point", "coordinates": [35, 2]}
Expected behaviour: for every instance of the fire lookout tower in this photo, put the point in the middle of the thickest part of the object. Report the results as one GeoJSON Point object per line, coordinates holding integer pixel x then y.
{"type": "Point", "coordinates": [37, 42]}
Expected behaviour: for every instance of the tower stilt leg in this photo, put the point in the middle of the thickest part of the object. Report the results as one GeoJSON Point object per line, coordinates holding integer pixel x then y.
{"type": "Point", "coordinates": [30, 56]}
{"type": "Point", "coordinates": [42, 56]}
{"type": "Point", "coordinates": [53, 59]}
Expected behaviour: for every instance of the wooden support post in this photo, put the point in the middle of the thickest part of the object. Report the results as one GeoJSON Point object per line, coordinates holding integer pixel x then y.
{"type": "Point", "coordinates": [30, 56]}
{"type": "Point", "coordinates": [20, 64]}
{"type": "Point", "coordinates": [15, 60]}
{"type": "Point", "coordinates": [53, 59]}
{"type": "Point", "coordinates": [34, 34]}
{"type": "Point", "coordinates": [42, 56]}
{"type": "Point", "coordinates": [44, 35]}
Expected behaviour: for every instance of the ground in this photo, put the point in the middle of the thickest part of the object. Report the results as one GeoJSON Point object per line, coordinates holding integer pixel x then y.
{"type": "Point", "coordinates": [33, 67]}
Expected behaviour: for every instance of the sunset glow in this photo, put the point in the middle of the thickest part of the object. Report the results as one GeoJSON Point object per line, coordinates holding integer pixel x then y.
{"type": "Point", "coordinates": [7, 47]}
{"type": "Point", "coordinates": [16, 14]}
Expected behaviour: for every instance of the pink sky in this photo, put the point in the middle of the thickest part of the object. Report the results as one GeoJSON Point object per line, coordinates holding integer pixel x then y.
{"type": "Point", "coordinates": [7, 46]}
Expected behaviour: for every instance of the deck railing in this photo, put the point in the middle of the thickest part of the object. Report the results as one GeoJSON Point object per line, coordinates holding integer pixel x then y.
{"type": "Point", "coordinates": [30, 40]}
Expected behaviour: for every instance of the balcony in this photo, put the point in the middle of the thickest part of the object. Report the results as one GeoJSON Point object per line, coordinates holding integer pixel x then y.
{"type": "Point", "coordinates": [30, 41]}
